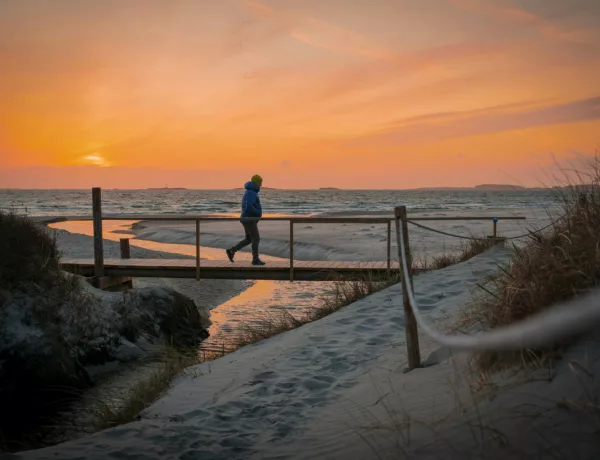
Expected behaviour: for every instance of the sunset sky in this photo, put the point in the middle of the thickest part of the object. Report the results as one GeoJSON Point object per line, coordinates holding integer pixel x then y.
{"type": "Point", "coordinates": [308, 93]}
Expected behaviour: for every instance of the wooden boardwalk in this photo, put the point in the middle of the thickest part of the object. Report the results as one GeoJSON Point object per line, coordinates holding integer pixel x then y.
{"type": "Point", "coordinates": [223, 269]}
{"type": "Point", "coordinates": [103, 273]}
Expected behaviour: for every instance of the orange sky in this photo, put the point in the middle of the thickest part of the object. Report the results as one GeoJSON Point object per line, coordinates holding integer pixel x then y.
{"type": "Point", "coordinates": [309, 93]}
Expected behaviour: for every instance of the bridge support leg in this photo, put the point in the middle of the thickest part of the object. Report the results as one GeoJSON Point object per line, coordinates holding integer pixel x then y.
{"type": "Point", "coordinates": [98, 247]}
{"type": "Point", "coordinates": [126, 254]}
{"type": "Point", "coordinates": [291, 250]}
{"type": "Point", "coordinates": [410, 322]}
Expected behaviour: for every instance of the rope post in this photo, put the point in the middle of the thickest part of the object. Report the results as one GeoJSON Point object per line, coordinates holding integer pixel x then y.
{"type": "Point", "coordinates": [389, 247]}
{"type": "Point", "coordinates": [495, 220]}
{"type": "Point", "coordinates": [410, 322]}
{"type": "Point", "coordinates": [98, 246]}
{"type": "Point", "coordinates": [291, 250]}
{"type": "Point", "coordinates": [125, 248]}
{"type": "Point", "coordinates": [197, 249]}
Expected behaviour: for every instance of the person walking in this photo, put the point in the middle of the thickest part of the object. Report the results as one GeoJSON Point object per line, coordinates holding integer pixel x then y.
{"type": "Point", "coordinates": [250, 208]}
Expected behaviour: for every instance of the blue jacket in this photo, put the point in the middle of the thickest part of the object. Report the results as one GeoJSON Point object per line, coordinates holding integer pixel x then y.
{"type": "Point", "coordinates": [251, 202]}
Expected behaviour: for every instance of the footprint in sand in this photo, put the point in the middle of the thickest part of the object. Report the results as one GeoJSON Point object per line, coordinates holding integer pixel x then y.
{"type": "Point", "coordinates": [313, 384]}
{"type": "Point", "coordinates": [339, 367]}
{"type": "Point", "coordinates": [325, 378]}
{"type": "Point", "coordinates": [398, 320]}
{"type": "Point", "coordinates": [344, 321]}
{"type": "Point", "coordinates": [286, 385]}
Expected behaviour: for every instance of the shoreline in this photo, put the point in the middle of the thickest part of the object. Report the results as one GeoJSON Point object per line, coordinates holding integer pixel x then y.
{"type": "Point", "coordinates": [207, 294]}
{"type": "Point", "coordinates": [314, 385]}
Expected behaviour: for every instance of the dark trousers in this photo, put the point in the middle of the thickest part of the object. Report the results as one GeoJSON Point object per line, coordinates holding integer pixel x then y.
{"type": "Point", "coordinates": [252, 236]}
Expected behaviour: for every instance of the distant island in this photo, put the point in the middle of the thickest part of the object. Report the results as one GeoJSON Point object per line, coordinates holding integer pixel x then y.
{"type": "Point", "coordinates": [329, 188]}
{"type": "Point", "coordinates": [262, 188]}
{"type": "Point", "coordinates": [499, 187]}
{"type": "Point", "coordinates": [167, 188]}
{"type": "Point", "coordinates": [482, 187]}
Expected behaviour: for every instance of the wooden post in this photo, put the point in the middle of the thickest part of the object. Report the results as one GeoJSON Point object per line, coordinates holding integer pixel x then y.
{"type": "Point", "coordinates": [495, 228]}
{"type": "Point", "coordinates": [197, 249]}
{"type": "Point", "coordinates": [410, 323]}
{"type": "Point", "coordinates": [98, 247]}
{"type": "Point", "coordinates": [125, 248]}
{"type": "Point", "coordinates": [389, 246]}
{"type": "Point", "coordinates": [126, 254]}
{"type": "Point", "coordinates": [291, 250]}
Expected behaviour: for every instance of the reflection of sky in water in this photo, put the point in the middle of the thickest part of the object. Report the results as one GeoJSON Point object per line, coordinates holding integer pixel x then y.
{"type": "Point", "coordinates": [270, 297]}
{"type": "Point", "coordinates": [260, 299]}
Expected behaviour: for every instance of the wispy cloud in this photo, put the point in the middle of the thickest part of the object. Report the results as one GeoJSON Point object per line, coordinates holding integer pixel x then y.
{"type": "Point", "coordinates": [321, 34]}
{"type": "Point", "coordinates": [509, 11]}
{"type": "Point", "coordinates": [490, 120]}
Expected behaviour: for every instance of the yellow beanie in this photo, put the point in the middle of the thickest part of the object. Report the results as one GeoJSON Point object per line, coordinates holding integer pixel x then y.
{"type": "Point", "coordinates": [256, 179]}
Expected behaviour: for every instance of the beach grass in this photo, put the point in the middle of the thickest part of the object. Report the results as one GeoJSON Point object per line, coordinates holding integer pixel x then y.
{"type": "Point", "coordinates": [167, 364]}
{"type": "Point", "coordinates": [554, 265]}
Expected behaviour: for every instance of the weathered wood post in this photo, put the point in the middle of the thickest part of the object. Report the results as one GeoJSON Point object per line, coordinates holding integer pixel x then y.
{"type": "Point", "coordinates": [126, 254]}
{"type": "Point", "coordinates": [389, 246]}
{"type": "Point", "coordinates": [291, 250]}
{"type": "Point", "coordinates": [125, 248]}
{"type": "Point", "coordinates": [197, 249]}
{"type": "Point", "coordinates": [98, 247]}
{"type": "Point", "coordinates": [410, 322]}
{"type": "Point", "coordinates": [496, 240]}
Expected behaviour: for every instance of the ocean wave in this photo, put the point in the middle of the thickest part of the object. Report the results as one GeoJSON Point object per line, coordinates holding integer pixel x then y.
{"type": "Point", "coordinates": [268, 246]}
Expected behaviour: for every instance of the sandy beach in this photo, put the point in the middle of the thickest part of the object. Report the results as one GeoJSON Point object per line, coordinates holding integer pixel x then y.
{"type": "Point", "coordinates": [335, 389]}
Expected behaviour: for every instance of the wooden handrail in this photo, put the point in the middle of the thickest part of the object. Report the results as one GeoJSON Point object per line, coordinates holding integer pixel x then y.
{"type": "Point", "coordinates": [297, 220]}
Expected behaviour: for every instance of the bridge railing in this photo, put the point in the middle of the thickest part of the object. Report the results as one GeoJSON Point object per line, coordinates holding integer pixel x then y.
{"type": "Point", "coordinates": [98, 217]}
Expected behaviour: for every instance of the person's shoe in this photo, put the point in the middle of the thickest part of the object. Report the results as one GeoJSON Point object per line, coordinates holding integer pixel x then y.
{"type": "Point", "coordinates": [257, 261]}
{"type": "Point", "coordinates": [230, 254]}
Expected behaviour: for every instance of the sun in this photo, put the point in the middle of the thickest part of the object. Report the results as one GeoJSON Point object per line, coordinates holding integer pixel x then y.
{"type": "Point", "coordinates": [95, 159]}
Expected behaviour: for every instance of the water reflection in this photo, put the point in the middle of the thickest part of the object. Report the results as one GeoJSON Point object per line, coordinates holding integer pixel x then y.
{"type": "Point", "coordinates": [262, 298]}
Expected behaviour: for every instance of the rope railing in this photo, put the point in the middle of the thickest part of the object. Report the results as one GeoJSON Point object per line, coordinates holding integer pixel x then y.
{"type": "Point", "coordinates": [454, 235]}
{"type": "Point", "coordinates": [564, 320]}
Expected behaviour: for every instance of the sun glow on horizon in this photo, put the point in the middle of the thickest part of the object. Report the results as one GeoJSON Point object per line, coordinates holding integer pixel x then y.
{"type": "Point", "coordinates": [308, 93]}
{"type": "Point", "coordinates": [95, 159]}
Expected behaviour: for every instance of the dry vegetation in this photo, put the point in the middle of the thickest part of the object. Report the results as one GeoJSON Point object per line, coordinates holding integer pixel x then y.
{"type": "Point", "coordinates": [346, 292]}
{"type": "Point", "coordinates": [108, 413]}
{"type": "Point", "coordinates": [556, 264]}
{"type": "Point", "coordinates": [469, 249]}
{"type": "Point", "coordinates": [51, 327]}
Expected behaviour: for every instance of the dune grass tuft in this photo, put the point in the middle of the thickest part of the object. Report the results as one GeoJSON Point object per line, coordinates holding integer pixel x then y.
{"type": "Point", "coordinates": [147, 390]}
{"type": "Point", "coordinates": [555, 265]}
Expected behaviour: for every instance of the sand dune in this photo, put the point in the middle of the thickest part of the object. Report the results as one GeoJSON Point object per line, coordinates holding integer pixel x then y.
{"type": "Point", "coordinates": [265, 397]}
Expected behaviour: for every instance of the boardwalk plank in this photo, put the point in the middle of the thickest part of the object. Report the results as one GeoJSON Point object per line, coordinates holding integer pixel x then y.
{"type": "Point", "coordinates": [223, 269]}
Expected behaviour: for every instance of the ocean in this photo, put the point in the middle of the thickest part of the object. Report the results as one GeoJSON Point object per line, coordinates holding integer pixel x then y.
{"type": "Point", "coordinates": [286, 202]}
